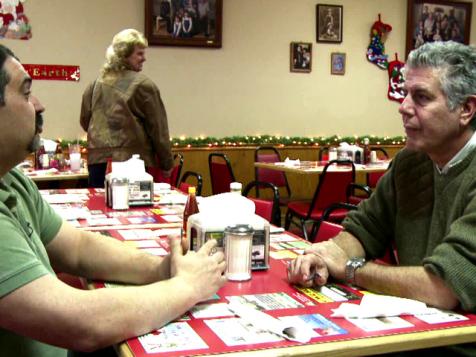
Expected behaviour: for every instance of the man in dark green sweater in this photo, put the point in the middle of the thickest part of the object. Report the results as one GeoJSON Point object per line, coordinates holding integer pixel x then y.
{"type": "Point", "coordinates": [425, 205]}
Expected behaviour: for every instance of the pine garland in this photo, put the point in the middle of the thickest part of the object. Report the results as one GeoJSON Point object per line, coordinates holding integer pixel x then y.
{"type": "Point", "coordinates": [250, 140]}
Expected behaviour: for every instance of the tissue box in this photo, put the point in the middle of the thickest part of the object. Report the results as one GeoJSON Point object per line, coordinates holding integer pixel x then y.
{"type": "Point", "coordinates": [200, 230]}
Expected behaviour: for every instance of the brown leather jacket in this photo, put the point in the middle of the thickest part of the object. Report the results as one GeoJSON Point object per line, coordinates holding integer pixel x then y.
{"type": "Point", "coordinates": [124, 115]}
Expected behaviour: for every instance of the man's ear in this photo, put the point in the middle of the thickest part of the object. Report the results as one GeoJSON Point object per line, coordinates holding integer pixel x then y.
{"type": "Point", "coordinates": [468, 110]}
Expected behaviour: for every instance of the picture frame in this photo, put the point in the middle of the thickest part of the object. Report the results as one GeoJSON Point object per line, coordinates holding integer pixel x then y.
{"type": "Point", "coordinates": [437, 20]}
{"type": "Point", "coordinates": [338, 63]}
{"type": "Point", "coordinates": [196, 23]}
{"type": "Point", "coordinates": [329, 22]}
{"type": "Point", "coordinates": [300, 57]}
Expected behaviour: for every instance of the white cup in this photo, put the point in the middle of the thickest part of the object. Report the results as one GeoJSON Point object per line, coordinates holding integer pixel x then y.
{"type": "Point", "coordinates": [373, 156]}
{"type": "Point", "coordinates": [75, 161]}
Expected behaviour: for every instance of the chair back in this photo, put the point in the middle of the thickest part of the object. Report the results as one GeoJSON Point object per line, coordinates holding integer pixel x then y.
{"type": "Point", "coordinates": [324, 229]}
{"type": "Point", "coordinates": [221, 173]}
{"type": "Point", "coordinates": [373, 177]}
{"type": "Point", "coordinates": [277, 178]}
{"type": "Point", "coordinates": [174, 176]}
{"type": "Point", "coordinates": [184, 184]}
{"type": "Point", "coordinates": [323, 153]}
{"type": "Point", "coordinates": [268, 209]}
{"type": "Point", "coordinates": [332, 186]}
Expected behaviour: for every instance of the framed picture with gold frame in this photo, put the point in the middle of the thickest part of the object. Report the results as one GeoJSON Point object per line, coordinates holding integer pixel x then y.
{"type": "Point", "coordinates": [300, 57]}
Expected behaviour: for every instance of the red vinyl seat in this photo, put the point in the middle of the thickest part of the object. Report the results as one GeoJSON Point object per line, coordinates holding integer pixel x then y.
{"type": "Point", "coordinates": [277, 178]}
{"type": "Point", "coordinates": [185, 183]}
{"type": "Point", "coordinates": [173, 180]}
{"type": "Point", "coordinates": [221, 173]}
{"type": "Point", "coordinates": [332, 188]}
{"type": "Point", "coordinates": [266, 208]}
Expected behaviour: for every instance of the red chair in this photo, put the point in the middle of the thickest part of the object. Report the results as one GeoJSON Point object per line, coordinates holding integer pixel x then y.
{"type": "Point", "coordinates": [268, 209]}
{"type": "Point", "coordinates": [373, 177]}
{"type": "Point", "coordinates": [324, 229]}
{"type": "Point", "coordinates": [332, 188]}
{"type": "Point", "coordinates": [174, 176]}
{"type": "Point", "coordinates": [323, 153]}
{"type": "Point", "coordinates": [221, 173]}
{"type": "Point", "coordinates": [277, 178]}
{"type": "Point", "coordinates": [183, 184]}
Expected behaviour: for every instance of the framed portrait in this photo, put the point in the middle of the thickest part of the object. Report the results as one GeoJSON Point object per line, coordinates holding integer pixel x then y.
{"type": "Point", "coordinates": [301, 57]}
{"type": "Point", "coordinates": [184, 22]}
{"type": "Point", "coordinates": [329, 20]}
{"type": "Point", "coordinates": [337, 63]}
{"type": "Point", "coordinates": [437, 20]}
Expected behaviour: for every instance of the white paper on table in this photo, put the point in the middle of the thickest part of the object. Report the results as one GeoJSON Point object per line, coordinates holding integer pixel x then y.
{"type": "Point", "coordinates": [136, 234]}
{"type": "Point", "coordinates": [261, 320]}
{"type": "Point", "coordinates": [172, 218]}
{"type": "Point", "coordinates": [72, 213]}
{"type": "Point", "coordinates": [289, 162]}
{"type": "Point", "coordinates": [65, 198]}
{"type": "Point", "coordinates": [373, 305]}
{"type": "Point", "coordinates": [173, 199]}
{"type": "Point", "coordinates": [167, 232]}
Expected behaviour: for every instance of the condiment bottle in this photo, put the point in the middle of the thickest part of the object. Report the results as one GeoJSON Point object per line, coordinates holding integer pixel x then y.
{"type": "Point", "coordinates": [238, 248]}
{"type": "Point", "coordinates": [191, 207]}
{"type": "Point", "coordinates": [235, 187]}
{"type": "Point", "coordinates": [366, 159]}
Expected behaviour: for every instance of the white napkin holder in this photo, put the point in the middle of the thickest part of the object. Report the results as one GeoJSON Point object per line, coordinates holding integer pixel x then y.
{"type": "Point", "coordinates": [141, 184]}
{"type": "Point", "coordinates": [350, 152]}
{"type": "Point", "coordinates": [223, 210]}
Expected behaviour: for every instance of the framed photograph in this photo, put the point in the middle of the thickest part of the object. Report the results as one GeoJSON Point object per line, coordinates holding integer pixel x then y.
{"type": "Point", "coordinates": [184, 22]}
{"type": "Point", "coordinates": [337, 63]}
{"type": "Point", "coordinates": [437, 20]}
{"type": "Point", "coordinates": [329, 23]}
{"type": "Point", "coordinates": [301, 57]}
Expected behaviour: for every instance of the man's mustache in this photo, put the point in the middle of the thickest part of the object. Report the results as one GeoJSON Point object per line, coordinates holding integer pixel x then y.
{"type": "Point", "coordinates": [38, 123]}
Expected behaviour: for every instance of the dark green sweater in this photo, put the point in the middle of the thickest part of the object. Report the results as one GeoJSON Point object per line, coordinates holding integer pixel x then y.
{"type": "Point", "coordinates": [429, 217]}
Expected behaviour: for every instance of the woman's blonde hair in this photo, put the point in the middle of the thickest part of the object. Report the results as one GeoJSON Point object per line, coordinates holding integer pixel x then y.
{"type": "Point", "coordinates": [122, 46]}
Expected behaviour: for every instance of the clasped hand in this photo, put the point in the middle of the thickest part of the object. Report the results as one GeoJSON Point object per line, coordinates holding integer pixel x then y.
{"type": "Point", "coordinates": [317, 264]}
{"type": "Point", "coordinates": [202, 270]}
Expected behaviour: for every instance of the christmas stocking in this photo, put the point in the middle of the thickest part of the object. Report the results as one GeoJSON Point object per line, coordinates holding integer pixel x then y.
{"type": "Point", "coordinates": [395, 80]}
{"type": "Point", "coordinates": [376, 50]}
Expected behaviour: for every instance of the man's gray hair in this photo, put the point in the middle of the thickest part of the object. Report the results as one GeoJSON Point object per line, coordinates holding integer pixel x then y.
{"type": "Point", "coordinates": [456, 64]}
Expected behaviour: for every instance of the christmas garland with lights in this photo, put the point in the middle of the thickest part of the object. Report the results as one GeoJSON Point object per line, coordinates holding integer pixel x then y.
{"type": "Point", "coordinates": [250, 140]}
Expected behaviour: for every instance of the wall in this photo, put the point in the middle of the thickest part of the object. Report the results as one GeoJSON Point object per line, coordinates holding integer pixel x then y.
{"type": "Point", "coordinates": [243, 88]}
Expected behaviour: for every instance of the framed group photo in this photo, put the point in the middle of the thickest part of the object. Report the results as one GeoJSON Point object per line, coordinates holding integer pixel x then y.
{"type": "Point", "coordinates": [301, 57]}
{"type": "Point", "coordinates": [437, 20]}
{"type": "Point", "coordinates": [184, 22]}
{"type": "Point", "coordinates": [338, 63]}
{"type": "Point", "coordinates": [329, 19]}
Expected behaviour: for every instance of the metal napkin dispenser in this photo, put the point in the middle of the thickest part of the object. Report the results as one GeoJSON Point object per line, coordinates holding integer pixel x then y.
{"type": "Point", "coordinates": [200, 229]}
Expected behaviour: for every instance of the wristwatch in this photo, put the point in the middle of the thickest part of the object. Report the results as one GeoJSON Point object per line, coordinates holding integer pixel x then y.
{"type": "Point", "coordinates": [351, 266]}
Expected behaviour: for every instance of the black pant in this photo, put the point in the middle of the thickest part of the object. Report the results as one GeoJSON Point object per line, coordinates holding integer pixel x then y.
{"type": "Point", "coordinates": [97, 174]}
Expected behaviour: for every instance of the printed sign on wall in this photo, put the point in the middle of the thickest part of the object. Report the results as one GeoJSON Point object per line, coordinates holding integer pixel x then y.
{"type": "Point", "coordinates": [53, 72]}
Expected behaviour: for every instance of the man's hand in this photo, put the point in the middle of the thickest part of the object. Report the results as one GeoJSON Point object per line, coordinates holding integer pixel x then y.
{"type": "Point", "coordinates": [333, 256]}
{"type": "Point", "coordinates": [308, 270]}
{"type": "Point", "coordinates": [202, 271]}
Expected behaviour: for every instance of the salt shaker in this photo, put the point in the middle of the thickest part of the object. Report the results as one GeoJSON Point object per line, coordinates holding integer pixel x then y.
{"type": "Point", "coordinates": [120, 193]}
{"type": "Point", "coordinates": [238, 246]}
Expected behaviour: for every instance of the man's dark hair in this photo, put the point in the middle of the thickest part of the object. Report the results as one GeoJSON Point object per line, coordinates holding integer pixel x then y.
{"type": "Point", "coordinates": [5, 52]}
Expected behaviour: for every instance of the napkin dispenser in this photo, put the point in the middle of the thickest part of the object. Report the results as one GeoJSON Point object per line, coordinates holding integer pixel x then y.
{"type": "Point", "coordinates": [201, 228]}
{"type": "Point", "coordinates": [141, 184]}
{"type": "Point", "coordinates": [350, 152]}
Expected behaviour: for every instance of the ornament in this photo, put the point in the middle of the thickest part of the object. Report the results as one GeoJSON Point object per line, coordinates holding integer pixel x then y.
{"type": "Point", "coordinates": [376, 50]}
{"type": "Point", "coordinates": [395, 80]}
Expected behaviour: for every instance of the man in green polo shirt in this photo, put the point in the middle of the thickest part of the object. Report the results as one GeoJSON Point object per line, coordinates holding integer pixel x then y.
{"type": "Point", "coordinates": [424, 208]}
{"type": "Point", "coordinates": [40, 315]}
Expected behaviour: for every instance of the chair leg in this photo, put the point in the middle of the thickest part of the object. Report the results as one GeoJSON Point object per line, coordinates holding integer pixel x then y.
{"type": "Point", "coordinates": [304, 230]}
{"type": "Point", "coordinates": [287, 221]}
{"type": "Point", "coordinates": [315, 228]}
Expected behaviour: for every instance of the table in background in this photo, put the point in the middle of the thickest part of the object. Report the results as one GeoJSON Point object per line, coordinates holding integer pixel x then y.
{"type": "Point", "coordinates": [46, 179]}
{"type": "Point", "coordinates": [316, 167]}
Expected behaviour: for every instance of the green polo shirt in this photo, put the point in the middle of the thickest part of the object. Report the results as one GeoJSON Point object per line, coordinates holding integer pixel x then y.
{"type": "Point", "coordinates": [27, 225]}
